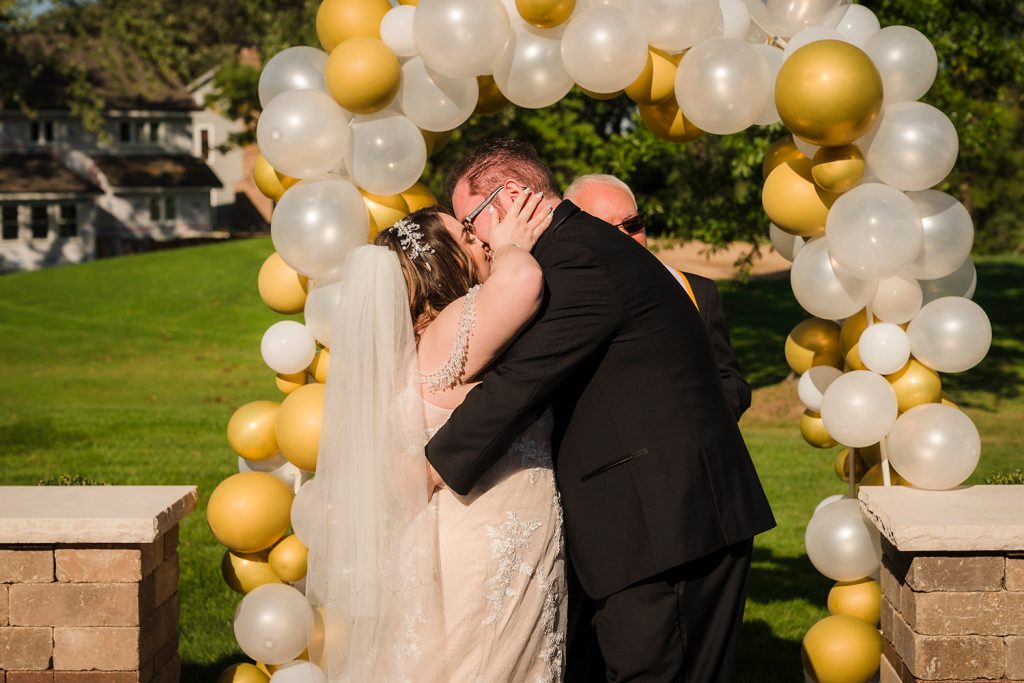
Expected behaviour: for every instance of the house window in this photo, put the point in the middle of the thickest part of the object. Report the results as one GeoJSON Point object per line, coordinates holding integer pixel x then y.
{"type": "Point", "coordinates": [204, 142]}
{"type": "Point", "coordinates": [154, 132]}
{"type": "Point", "coordinates": [67, 220]}
{"type": "Point", "coordinates": [9, 220]}
{"type": "Point", "coordinates": [139, 132]}
{"type": "Point", "coordinates": [40, 223]}
{"type": "Point", "coordinates": [162, 209]}
{"type": "Point", "coordinates": [42, 131]}
{"type": "Point", "coordinates": [125, 131]}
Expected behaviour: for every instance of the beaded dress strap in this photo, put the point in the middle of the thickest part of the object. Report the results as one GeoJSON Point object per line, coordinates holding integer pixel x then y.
{"type": "Point", "coordinates": [451, 372]}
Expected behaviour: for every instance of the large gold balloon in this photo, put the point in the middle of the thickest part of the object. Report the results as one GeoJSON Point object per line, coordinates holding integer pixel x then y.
{"type": "Point", "coordinates": [249, 511]}
{"type": "Point", "coordinates": [858, 599]}
{"type": "Point", "coordinates": [245, 571]}
{"type": "Point", "coordinates": [339, 20]}
{"type": "Point", "coordinates": [657, 82]}
{"type": "Point", "coordinates": [288, 558]}
{"type": "Point", "coordinates": [842, 465]}
{"type": "Point", "coordinates": [780, 152]}
{"type": "Point", "coordinates": [252, 430]}
{"type": "Point", "coordinates": [435, 140]}
{"type": "Point", "coordinates": [813, 430]}
{"type": "Point", "coordinates": [870, 455]}
{"type": "Point", "coordinates": [813, 342]}
{"type": "Point", "coordinates": [321, 363]}
{"type": "Point", "coordinates": [268, 181]}
{"type": "Point", "coordinates": [849, 339]}
{"type": "Point", "coordinates": [793, 201]}
{"type": "Point", "coordinates": [419, 197]}
{"type": "Point", "coordinates": [363, 75]}
{"type": "Point", "coordinates": [490, 100]}
{"type": "Point", "coordinates": [545, 13]}
{"type": "Point", "coordinates": [666, 120]}
{"type": "Point", "coordinates": [838, 169]}
{"type": "Point", "coordinates": [289, 383]}
{"type": "Point", "coordinates": [828, 93]}
{"type": "Point", "coordinates": [243, 673]}
{"type": "Point", "coordinates": [298, 426]}
{"type": "Point", "coordinates": [280, 286]}
{"type": "Point", "coordinates": [915, 384]}
{"type": "Point", "coordinates": [842, 649]}
{"type": "Point", "coordinates": [875, 477]}
{"type": "Point", "coordinates": [383, 210]}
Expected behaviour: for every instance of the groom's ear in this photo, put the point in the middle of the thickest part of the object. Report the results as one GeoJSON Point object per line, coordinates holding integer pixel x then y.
{"type": "Point", "coordinates": [513, 188]}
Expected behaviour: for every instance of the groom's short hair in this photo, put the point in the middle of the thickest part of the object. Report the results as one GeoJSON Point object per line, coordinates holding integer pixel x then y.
{"type": "Point", "coordinates": [493, 162]}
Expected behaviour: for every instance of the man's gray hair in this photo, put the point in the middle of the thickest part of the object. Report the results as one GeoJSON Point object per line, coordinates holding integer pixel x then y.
{"type": "Point", "coordinates": [576, 185]}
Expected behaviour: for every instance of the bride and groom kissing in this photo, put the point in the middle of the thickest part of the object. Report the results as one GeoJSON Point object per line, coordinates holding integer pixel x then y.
{"type": "Point", "coordinates": [529, 469]}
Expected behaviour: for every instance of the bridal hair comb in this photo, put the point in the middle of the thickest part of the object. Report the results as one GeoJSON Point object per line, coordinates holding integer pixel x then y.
{"type": "Point", "coordinates": [410, 238]}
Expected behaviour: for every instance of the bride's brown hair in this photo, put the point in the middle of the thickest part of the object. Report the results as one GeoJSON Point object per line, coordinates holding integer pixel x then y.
{"type": "Point", "coordinates": [434, 279]}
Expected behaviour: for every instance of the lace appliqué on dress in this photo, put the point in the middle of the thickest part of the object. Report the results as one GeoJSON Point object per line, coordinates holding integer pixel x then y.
{"type": "Point", "coordinates": [533, 455]}
{"type": "Point", "coordinates": [451, 372]}
{"type": "Point", "coordinates": [507, 543]}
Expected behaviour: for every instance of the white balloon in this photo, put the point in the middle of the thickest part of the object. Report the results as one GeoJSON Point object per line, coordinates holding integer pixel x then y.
{"type": "Point", "coordinates": [828, 501]}
{"type": "Point", "coordinates": [304, 511]}
{"type": "Point", "coordinates": [321, 302]}
{"type": "Point", "coordinates": [823, 290]}
{"type": "Point", "coordinates": [277, 466]}
{"type": "Point", "coordinates": [934, 446]}
{"type": "Point", "coordinates": [915, 146]}
{"type": "Point", "coordinates": [388, 153]}
{"type": "Point", "coordinates": [961, 282]}
{"type": "Point", "coordinates": [787, 244]}
{"type": "Point", "coordinates": [460, 37]}
{"type": "Point", "coordinates": [272, 623]}
{"type": "Point", "coordinates": [317, 222]}
{"type": "Point", "coordinates": [811, 34]}
{"type": "Point", "coordinates": [604, 49]}
{"type": "Point", "coordinates": [396, 30]}
{"type": "Point", "coordinates": [735, 18]}
{"type": "Point", "coordinates": [529, 72]}
{"type": "Point", "coordinates": [288, 347]}
{"type": "Point", "coordinates": [873, 231]}
{"type": "Point", "coordinates": [773, 57]}
{"type": "Point", "coordinates": [722, 85]}
{"type": "Point", "coordinates": [884, 348]}
{"type": "Point", "coordinates": [813, 383]}
{"type": "Point", "coordinates": [435, 102]}
{"type": "Point", "coordinates": [897, 300]}
{"type": "Point", "coordinates": [857, 25]}
{"type": "Point", "coordinates": [803, 13]}
{"type": "Point", "coordinates": [948, 234]}
{"type": "Point", "coordinates": [303, 133]}
{"type": "Point", "coordinates": [294, 68]}
{"type": "Point", "coordinates": [859, 408]}
{"type": "Point", "coordinates": [951, 334]}
{"type": "Point", "coordinates": [841, 543]}
{"type": "Point", "coordinates": [674, 25]}
{"type": "Point", "coordinates": [806, 148]}
{"type": "Point", "coordinates": [906, 60]}
{"type": "Point", "coordinates": [299, 672]}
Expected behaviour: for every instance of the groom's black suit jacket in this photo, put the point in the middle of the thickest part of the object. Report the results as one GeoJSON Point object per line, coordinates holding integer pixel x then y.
{"type": "Point", "coordinates": [651, 466]}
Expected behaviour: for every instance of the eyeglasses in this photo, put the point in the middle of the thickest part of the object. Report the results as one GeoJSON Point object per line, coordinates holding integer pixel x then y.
{"type": "Point", "coordinates": [467, 222]}
{"type": "Point", "coordinates": [632, 225]}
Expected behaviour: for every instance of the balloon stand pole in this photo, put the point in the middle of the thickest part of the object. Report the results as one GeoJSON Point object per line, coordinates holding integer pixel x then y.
{"type": "Point", "coordinates": [851, 464]}
{"type": "Point", "coordinates": [886, 477]}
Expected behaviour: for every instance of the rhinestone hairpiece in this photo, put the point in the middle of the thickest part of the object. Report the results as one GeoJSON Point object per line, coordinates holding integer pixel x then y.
{"type": "Point", "coordinates": [410, 238]}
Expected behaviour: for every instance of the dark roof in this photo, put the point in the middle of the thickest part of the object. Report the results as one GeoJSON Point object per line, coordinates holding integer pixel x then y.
{"type": "Point", "coordinates": [161, 170]}
{"type": "Point", "coordinates": [39, 173]}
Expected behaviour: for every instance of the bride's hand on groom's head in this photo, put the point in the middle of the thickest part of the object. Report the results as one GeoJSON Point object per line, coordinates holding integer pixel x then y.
{"type": "Point", "coordinates": [523, 224]}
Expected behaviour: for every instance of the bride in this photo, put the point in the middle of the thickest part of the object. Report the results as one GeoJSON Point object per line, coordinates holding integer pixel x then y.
{"type": "Point", "coordinates": [455, 588]}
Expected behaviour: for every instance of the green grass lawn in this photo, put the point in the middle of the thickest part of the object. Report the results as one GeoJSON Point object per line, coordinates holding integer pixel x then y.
{"type": "Point", "coordinates": [127, 370]}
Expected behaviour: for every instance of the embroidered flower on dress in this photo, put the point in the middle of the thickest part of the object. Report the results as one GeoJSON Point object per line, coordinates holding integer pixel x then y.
{"type": "Point", "coordinates": [507, 544]}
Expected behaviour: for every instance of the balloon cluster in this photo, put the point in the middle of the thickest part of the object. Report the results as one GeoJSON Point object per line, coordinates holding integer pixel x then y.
{"type": "Point", "coordinates": [880, 260]}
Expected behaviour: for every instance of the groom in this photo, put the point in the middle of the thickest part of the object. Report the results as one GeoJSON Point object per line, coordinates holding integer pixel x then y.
{"type": "Point", "coordinates": [660, 496]}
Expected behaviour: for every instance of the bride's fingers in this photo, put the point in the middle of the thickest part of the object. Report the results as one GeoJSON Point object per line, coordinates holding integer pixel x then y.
{"type": "Point", "coordinates": [530, 207]}
{"type": "Point", "coordinates": [516, 210]}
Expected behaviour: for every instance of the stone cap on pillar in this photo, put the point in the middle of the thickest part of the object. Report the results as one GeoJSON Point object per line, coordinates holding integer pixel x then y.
{"type": "Point", "coordinates": [967, 519]}
{"type": "Point", "coordinates": [91, 514]}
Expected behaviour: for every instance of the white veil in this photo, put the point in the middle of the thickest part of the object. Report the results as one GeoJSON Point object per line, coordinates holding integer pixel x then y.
{"type": "Point", "coordinates": [373, 577]}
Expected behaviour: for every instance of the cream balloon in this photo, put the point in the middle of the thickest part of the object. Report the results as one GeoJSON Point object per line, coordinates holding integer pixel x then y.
{"type": "Point", "coordinates": [858, 25]}
{"type": "Point", "coordinates": [388, 153]}
{"type": "Point", "coordinates": [873, 231]}
{"type": "Point", "coordinates": [460, 37]}
{"type": "Point", "coordinates": [277, 466]}
{"type": "Point", "coordinates": [841, 544]}
{"type": "Point", "coordinates": [303, 512]}
{"type": "Point", "coordinates": [287, 347]}
{"type": "Point", "coordinates": [303, 133]}
{"type": "Point", "coordinates": [813, 383]}
{"type": "Point", "coordinates": [396, 30]}
{"type": "Point", "coordinates": [884, 348]}
{"type": "Point", "coordinates": [803, 13]}
{"type": "Point", "coordinates": [735, 18]}
{"type": "Point", "coordinates": [434, 102]}
{"type": "Point", "coordinates": [788, 245]}
{"type": "Point", "coordinates": [773, 57]}
{"type": "Point", "coordinates": [321, 302]}
{"type": "Point", "coordinates": [299, 672]}
{"type": "Point", "coordinates": [897, 300]}
{"type": "Point", "coordinates": [722, 85]}
{"type": "Point", "coordinates": [675, 25]}
{"type": "Point", "coordinates": [806, 148]}
{"type": "Point", "coordinates": [831, 499]}
{"type": "Point", "coordinates": [294, 68]}
{"type": "Point", "coordinates": [858, 409]}
{"type": "Point", "coordinates": [271, 623]}
{"type": "Point", "coordinates": [529, 71]}
{"type": "Point", "coordinates": [948, 234]}
{"type": "Point", "coordinates": [823, 290]}
{"type": "Point", "coordinates": [604, 49]}
{"type": "Point", "coordinates": [951, 334]}
{"type": "Point", "coordinates": [934, 446]}
{"type": "Point", "coordinates": [806, 36]}
{"type": "Point", "coordinates": [961, 282]}
{"type": "Point", "coordinates": [906, 60]}
{"type": "Point", "coordinates": [914, 148]}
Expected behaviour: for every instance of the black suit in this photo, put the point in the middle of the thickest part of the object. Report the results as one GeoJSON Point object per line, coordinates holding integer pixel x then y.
{"type": "Point", "coordinates": [651, 466]}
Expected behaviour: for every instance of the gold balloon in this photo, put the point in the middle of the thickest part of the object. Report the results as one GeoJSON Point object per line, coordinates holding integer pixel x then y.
{"type": "Point", "coordinates": [243, 673]}
{"type": "Point", "coordinates": [268, 181]}
{"type": "Point", "coordinates": [849, 339]}
{"type": "Point", "coordinates": [666, 120]}
{"type": "Point", "coordinates": [842, 465]}
{"type": "Point", "coordinates": [545, 13]}
{"type": "Point", "coordinates": [289, 383]}
{"type": "Point", "coordinates": [252, 430]}
{"type": "Point", "coordinates": [409, 2]}
{"type": "Point", "coordinates": [838, 169]}
{"type": "Point", "coordinates": [858, 599]}
{"type": "Point", "coordinates": [245, 571]}
{"type": "Point", "coordinates": [915, 384]}
{"type": "Point", "coordinates": [339, 20]}
{"type": "Point", "coordinates": [435, 141]}
{"type": "Point", "coordinates": [298, 426]}
{"type": "Point", "coordinates": [383, 210]}
{"type": "Point", "coordinates": [249, 511]}
{"type": "Point", "coordinates": [288, 558]}
{"type": "Point", "coordinates": [813, 430]}
{"type": "Point", "coordinates": [813, 342]}
{"type": "Point", "coordinates": [419, 197]}
{"type": "Point", "coordinates": [842, 649]}
{"type": "Point", "coordinates": [828, 93]}
{"type": "Point", "coordinates": [780, 152]}
{"type": "Point", "coordinates": [874, 477]}
{"type": "Point", "coordinates": [870, 455]}
{"type": "Point", "coordinates": [793, 201]}
{"type": "Point", "coordinates": [600, 95]}
{"type": "Point", "coordinates": [363, 75]}
{"type": "Point", "coordinates": [490, 100]}
{"type": "Point", "coordinates": [280, 287]}
{"type": "Point", "coordinates": [657, 82]}
{"type": "Point", "coordinates": [321, 362]}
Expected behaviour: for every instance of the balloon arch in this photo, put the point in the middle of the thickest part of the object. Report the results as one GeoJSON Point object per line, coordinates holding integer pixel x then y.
{"type": "Point", "coordinates": [880, 261]}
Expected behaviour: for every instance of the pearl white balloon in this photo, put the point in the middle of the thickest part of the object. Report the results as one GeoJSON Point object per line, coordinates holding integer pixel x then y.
{"type": "Point", "coordinates": [674, 25]}
{"type": "Point", "coordinates": [304, 512]}
{"type": "Point", "coordinates": [858, 25]}
{"type": "Point", "coordinates": [915, 146]}
{"type": "Point", "coordinates": [773, 57]}
{"type": "Point", "coordinates": [396, 30]}
{"type": "Point", "coordinates": [321, 304]}
{"type": "Point", "coordinates": [460, 37]}
{"type": "Point", "coordinates": [948, 234]}
{"type": "Point", "coordinates": [277, 466]}
{"type": "Point", "coordinates": [722, 85]}
{"type": "Point", "coordinates": [841, 543]}
{"type": "Point", "coordinates": [906, 60]}
{"type": "Point", "coordinates": [828, 501]}
{"type": "Point", "coordinates": [787, 244]}
{"type": "Point", "coordinates": [897, 300]}
{"type": "Point", "coordinates": [299, 672]}
{"type": "Point", "coordinates": [811, 34]}
{"type": "Point", "coordinates": [806, 148]}
{"type": "Point", "coordinates": [823, 290]}
{"type": "Point", "coordinates": [388, 153]}
{"type": "Point", "coordinates": [951, 334]}
{"type": "Point", "coordinates": [317, 222]}
{"type": "Point", "coordinates": [934, 446]}
{"type": "Point", "coordinates": [294, 68]}
{"type": "Point", "coordinates": [873, 231]}
{"type": "Point", "coordinates": [859, 408]}
{"type": "Point", "coordinates": [619, 4]}
{"type": "Point", "coordinates": [271, 623]}
{"type": "Point", "coordinates": [604, 49]}
{"type": "Point", "coordinates": [529, 72]}
{"type": "Point", "coordinates": [288, 347]}
{"type": "Point", "coordinates": [961, 282]}
{"type": "Point", "coordinates": [813, 383]}
{"type": "Point", "coordinates": [803, 13]}
{"type": "Point", "coordinates": [303, 133]}
{"type": "Point", "coordinates": [884, 348]}
{"type": "Point", "coordinates": [735, 18]}
{"type": "Point", "coordinates": [435, 102]}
